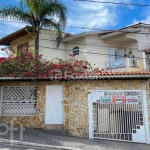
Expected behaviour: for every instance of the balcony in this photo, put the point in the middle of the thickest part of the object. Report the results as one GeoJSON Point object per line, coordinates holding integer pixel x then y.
{"type": "Point", "coordinates": [126, 64]}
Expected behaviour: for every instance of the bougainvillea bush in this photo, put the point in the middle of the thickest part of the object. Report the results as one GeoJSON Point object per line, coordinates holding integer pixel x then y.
{"type": "Point", "coordinates": [23, 64]}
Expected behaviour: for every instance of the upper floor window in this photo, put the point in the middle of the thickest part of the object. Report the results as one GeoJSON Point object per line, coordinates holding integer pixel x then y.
{"type": "Point", "coordinates": [76, 50]}
{"type": "Point", "coordinates": [23, 47]}
{"type": "Point", "coordinates": [115, 58]}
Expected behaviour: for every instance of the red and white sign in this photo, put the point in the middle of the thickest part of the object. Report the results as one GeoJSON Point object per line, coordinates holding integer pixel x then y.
{"type": "Point", "coordinates": [131, 100]}
{"type": "Point", "coordinates": [118, 99]}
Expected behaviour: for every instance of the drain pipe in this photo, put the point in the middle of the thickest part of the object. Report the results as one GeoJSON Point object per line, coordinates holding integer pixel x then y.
{"type": "Point", "coordinates": [86, 46]}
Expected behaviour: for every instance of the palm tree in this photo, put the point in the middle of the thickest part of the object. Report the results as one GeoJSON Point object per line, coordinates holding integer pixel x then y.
{"type": "Point", "coordinates": [38, 13]}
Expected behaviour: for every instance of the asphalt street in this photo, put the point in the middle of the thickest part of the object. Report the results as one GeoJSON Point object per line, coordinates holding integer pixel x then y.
{"type": "Point", "coordinates": [39, 137]}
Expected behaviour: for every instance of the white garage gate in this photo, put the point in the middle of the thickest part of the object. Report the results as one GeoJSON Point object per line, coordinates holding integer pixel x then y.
{"type": "Point", "coordinates": [118, 115]}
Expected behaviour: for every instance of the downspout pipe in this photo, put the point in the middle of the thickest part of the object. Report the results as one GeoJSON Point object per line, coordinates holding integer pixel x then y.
{"type": "Point", "coordinates": [86, 46]}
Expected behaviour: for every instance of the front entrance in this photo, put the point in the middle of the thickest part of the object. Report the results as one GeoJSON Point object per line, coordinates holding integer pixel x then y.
{"type": "Point", "coordinates": [118, 115]}
{"type": "Point", "coordinates": [54, 105]}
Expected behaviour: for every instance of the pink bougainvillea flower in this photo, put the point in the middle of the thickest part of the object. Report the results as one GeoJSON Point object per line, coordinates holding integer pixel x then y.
{"type": "Point", "coordinates": [40, 56]}
{"type": "Point", "coordinates": [74, 74]}
{"type": "Point", "coordinates": [40, 75]}
{"type": "Point", "coordinates": [14, 75]}
{"type": "Point", "coordinates": [85, 67]}
{"type": "Point", "coordinates": [29, 74]}
{"type": "Point", "coordinates": [55, 66]}
{"type": "Point", "coordinates": [1, 59]}
{"type": "Point", "coordinates": [51, 72]}
{"type": "Point", "coordinates": [25, 65]}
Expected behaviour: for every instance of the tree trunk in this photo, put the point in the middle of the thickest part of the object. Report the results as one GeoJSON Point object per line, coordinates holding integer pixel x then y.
{"type": "Point", "coordinates": [36, 52]}
{"type": "Point", "coordinates": [37, 47]}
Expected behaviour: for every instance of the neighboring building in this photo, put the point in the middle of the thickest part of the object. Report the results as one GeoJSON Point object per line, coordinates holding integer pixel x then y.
{"type": "Point", "coordinates": [120, 50]}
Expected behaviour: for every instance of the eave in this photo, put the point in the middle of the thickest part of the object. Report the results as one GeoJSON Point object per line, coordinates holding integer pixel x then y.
{"type": "Point", "coordinates": [94, 77]}
{"type": "Point", "coordinates": [19, 33]}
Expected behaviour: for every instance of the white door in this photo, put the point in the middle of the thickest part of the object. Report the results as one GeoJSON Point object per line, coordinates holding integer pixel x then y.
{"type": "Point", "coordinates": [54, 105]}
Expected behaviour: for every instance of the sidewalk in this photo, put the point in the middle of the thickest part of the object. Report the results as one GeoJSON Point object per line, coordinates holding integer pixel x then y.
{"type": "Point", "coordinates": [37, 136]}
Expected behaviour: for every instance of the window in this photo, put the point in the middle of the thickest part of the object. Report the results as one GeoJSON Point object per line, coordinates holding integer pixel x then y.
{"type": "Point", "coordinates": [23, 47]}
{"type": "Point", "coordinates": [115, 59]}
{"type": "Point", "coordinates": [18, 101]}
{"type": "Point", "coordinates": [76, 50]}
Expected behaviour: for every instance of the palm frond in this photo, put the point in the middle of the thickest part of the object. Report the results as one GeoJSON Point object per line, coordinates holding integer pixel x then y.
{"type": "Point", "coordinates": [38, 13]}
{"type": "Point", "coordinates": [55, 7]}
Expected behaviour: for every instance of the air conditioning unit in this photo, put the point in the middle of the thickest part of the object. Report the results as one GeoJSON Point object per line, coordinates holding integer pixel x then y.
{"type": "Point", "coordinates": [133, 62]}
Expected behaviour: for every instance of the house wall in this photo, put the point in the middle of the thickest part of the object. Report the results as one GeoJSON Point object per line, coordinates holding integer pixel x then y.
{"type": "Point", "coordinates": [75, 116]}
{"type": "Point", "coordinates": [22, 40]}
{"type": "Point", "coordinates": [81, 43]}
{"type": "Point", "coordinates": [92, 49]}
{"type": "Point", "coordinates": [96, 51]}
{"type": "Point", "coordinates": [142, 39]}
{"type": "Point", "coordinates": [48, 45]}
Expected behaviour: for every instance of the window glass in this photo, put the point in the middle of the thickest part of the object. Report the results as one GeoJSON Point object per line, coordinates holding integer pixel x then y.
{"type": "Point", "coordinates": [76, 50]}
{"type": "Point", "coordinates": [23, 47]}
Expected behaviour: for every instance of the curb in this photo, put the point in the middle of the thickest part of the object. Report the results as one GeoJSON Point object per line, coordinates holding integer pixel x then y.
{"type": "Point", "coordinates": [35, 144]}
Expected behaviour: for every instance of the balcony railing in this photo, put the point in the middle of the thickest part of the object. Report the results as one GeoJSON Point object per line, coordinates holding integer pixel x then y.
{"type": "Point", "coordinates": [127, 64]}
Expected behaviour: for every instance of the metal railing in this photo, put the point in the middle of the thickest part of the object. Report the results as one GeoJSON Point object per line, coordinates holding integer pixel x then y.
{"type": "Point", "coordinates": [18, 100]}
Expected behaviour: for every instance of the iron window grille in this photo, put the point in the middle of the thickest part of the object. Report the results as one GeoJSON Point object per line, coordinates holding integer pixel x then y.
{"type": "Point", "coordinates": [18, 101]}
{"type": "Point", "coordinates": [76, 50]}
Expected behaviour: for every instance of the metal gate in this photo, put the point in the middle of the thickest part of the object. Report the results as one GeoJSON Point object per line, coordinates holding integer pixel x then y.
{"type": "Point", "coordinates": [118, 115]}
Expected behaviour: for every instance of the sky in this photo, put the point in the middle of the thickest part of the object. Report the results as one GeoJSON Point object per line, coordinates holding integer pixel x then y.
{"type": "Point", "coordinates": [91, 15]}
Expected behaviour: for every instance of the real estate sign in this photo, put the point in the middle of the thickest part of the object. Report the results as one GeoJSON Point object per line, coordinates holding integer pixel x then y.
{"type": "Point", "coordinates": [118, 99]}
{"type": "Point", "coordinates": [105, 100]}
{"type": "Point", "coordinates": [131, 99]}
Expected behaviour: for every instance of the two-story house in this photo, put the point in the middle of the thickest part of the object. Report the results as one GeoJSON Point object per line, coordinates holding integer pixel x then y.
{"type": "Point", "coordinates": [111, 105]}
{"type": "Point", "coordinates": [119, 50]}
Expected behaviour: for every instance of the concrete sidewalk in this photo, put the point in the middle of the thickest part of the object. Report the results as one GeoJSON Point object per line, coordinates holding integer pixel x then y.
{"type": "Point", "coordinates": [38, 138]}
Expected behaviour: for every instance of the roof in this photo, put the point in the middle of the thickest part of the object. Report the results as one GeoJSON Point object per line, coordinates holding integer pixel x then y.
{"type": "Point", "coordinates": [85, 33]}
{"type": "Point", "coordinates": [131, 28]}
{"type": "Point", "coordinates": [6, 40]}
{"type": "Point", "coordinates": [119, 73]}
{"type": "Point", "coordinates": [94, 76]}
{"type": "Point", "coordinates": [136, 25]}
{"type": "Point", "coordinates": [23, 31]}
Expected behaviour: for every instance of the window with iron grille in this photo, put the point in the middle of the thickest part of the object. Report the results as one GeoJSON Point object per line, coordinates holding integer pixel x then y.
{"type": "Point", "coordinates": [18, 100]}
{"type": "Point", "coordinates": [115, 59]}
{"type": "Point", "coordinates": [76, 50]}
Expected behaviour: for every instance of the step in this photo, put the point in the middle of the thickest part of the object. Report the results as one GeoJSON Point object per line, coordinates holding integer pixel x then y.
{"type": "Point", "coordinates": [55, 132]}
{"type": "Point", "coordinates": [54, 126]}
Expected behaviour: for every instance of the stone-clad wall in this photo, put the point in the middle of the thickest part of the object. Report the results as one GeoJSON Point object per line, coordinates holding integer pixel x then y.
{"type": "Point", "coordinates": [78, 121]}
{"type": "Point", "coordinates": [37, 121]}
{"type": "Point", "coordinates": [75, 102]}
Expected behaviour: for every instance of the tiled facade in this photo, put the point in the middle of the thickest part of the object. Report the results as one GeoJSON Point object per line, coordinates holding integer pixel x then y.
{"type": "Point", "coordinates": [75, 116]}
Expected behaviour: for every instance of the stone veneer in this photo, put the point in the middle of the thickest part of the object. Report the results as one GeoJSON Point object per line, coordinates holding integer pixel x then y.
{"type": "Point", "coordinates": [75, 116]}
